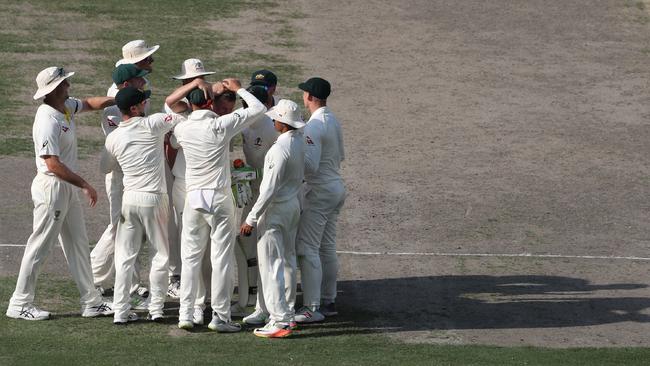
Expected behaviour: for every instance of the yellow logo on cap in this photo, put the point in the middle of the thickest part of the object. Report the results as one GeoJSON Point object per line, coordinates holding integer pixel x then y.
{"type": "Point", "coordinates": [259, 77]}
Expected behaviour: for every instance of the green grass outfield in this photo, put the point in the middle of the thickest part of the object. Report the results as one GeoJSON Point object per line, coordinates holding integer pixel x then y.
{"type": "Point", "coordinates": [69, 339]}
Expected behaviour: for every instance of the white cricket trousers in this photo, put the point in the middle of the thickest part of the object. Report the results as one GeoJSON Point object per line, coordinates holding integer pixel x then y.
{"type": "Point", "coordinates": [316, 242]}
{"type": "Point", "coordinates": [58, 216]}
{"type": "Point", "coordinates": [144, 218]}
{"type": "Point", "coordinates": [276, 251]}
{"type": "Point", "coordinates": [217, 228]}
{"type": "Point", "coordinates": [246, 253]}
{"type": "Point", "coordinates": [101, 257]}
{"type": "Point", "coordinates": [172, 227]}
{"type": "Point", "coordinates": [175, 263]}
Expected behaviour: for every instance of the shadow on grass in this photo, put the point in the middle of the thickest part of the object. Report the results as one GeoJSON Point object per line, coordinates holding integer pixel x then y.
{"type": "Point", "coordinates": [484, 302]}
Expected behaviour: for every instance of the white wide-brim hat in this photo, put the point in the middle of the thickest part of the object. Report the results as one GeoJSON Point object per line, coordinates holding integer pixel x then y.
{"type": "Point", "coordinates": [136, 51]}
{"type": "Point", "coordinates": [287, 111]}
{"type": "Point", "coordinates": [48, 79]}
{"type": "Point", "coordinates": [191, 68]}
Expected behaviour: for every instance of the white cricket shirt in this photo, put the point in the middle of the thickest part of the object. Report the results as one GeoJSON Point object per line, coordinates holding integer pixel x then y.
{"type": "Point", "coordinates": [257, 140]}
{"type": "Point", "coordinates": [178, 170]}
{"type": "Point", "coordinates": [54, 134]}
{"type": "Point", "coordinates": [205, 139]}
{"type": "Point", "coordinates": [283, 173]}
{"type": "Point", "coordinates": [324, 147]}
{"type": "Point", "coordinates": [137, 146]}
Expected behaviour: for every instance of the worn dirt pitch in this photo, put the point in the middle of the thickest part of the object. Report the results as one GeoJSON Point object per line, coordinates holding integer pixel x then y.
{"type": "Point", "coordinates": [475, 127]}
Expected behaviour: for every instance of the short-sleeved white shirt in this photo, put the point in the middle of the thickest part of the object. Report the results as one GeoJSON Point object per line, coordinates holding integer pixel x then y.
{"type": "Point", "coordinates": [137, 146]}
{"type": "Point", "coordinates": [54, 134]}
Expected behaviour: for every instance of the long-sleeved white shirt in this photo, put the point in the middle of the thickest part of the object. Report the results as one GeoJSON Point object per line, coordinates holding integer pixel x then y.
{"type": "Point", "coordinates": [137, 146]}
{"type": "Point", "coordinates": [324, 147]}
{"type": "Point", "coordinates": [284, 168]}
{"type": "Point", "coordinates": [257, 140]}
{"type": "Point", "coordinates": [205, 139]}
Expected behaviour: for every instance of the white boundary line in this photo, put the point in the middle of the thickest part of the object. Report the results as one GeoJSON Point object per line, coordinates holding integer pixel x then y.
{"type": "Point", "coordinates": [497, 255]}
{"type": "Point", "coordinates": [520, 255]}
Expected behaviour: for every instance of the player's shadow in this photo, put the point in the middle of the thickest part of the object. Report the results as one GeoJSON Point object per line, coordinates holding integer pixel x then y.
{"type": "Point", "coordinates": [481, 302]}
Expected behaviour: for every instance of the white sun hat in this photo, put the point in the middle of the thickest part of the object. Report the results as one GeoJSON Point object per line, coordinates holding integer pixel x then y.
{"type": "Point", "coordinates": [48, 79]}
{"type": "Point", "coordinates": [136, 51]}
{"type": "Point", "coordinates": [287, 111]}
{"type": "Point", "coordinates": [191, 68]}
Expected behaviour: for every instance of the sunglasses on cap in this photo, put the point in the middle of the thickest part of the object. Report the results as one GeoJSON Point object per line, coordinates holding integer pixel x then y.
{"type": "Point", "coordinates": [59, 73]}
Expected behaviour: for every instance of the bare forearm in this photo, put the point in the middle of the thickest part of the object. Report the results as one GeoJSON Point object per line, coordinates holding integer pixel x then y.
{"type": "Point", "coordinates": [64, 173]}
{"type": "Point", "coordinates": [96, 103]}
{"type": "Point", "coordinates": [181, 92]}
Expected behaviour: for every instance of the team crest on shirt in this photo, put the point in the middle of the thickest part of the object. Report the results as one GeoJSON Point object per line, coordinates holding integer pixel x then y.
{"type": "Point", "coordinates": [65, 129]}
{"type": "Point", "coordinates": [309, 140]}
{"type": "Point", "coordinates": [57, 213]}
{"type": "Point", "coordinates": [258, 141]}
{"type": "Point", "coordinates": [168, 118]}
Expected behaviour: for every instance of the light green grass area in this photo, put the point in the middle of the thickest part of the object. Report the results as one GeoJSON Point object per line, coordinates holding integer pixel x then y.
{"type": "Point", "coordinates": [87, 37]}
{"type": "Point", "coordinates": [68, 339]}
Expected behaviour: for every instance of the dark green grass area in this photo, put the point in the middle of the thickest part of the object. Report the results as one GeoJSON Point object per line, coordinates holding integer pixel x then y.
{"type": "Point", "coordinates": [87, 37]}
{"type": "Point", "coordinates": [68, 339]}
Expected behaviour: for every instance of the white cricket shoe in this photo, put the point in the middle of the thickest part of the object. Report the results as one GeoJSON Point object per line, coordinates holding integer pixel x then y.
{"type": "Point", "coordinates": [273, 329]}
{"type": "Point", "coordinates": [237, 310]}
{"type": "Point", "coordinates": [101, 309]}
{"type": "Point", "coordinates": [185, 324]}
{"type": "Point", "coordinates": [140, 299]}
{"type": "Point", "coordinates": [258, 317]}
{"type": "Point", "coordinates": [174, 289]}
{"type": "Point", "coordinates": [222, 326]}
{"type": "Point", "coordinates": [131, 317]}
{"type": "Point", "coordinates": [307, 315]}
{"type": "Point", "coordinates": [197, 317]}
{"type": "Point", "coordinates": [27, 312]}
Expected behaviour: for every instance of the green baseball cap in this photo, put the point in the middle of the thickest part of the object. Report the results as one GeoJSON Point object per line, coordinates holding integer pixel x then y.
{"type": "Point", "coordinates": [197, 97]}
{"type": "Point", "coordinates": [318, 87]}
{"type": "Point", "coordinates": [264, 78]}
{"type": "Point", "coordinates": [130, 96]}
{"type": "Point", "coordinates": [126, 72]}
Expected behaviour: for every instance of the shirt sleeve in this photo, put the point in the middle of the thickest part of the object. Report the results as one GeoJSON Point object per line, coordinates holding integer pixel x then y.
{"type": "Point", "coordinates": [233, 123]}
{"type": "Point", "coordinates": [74, 106]}
{"type": "Point", "coordinates": [313, 145]}
{"type": "Point", "coordinates": [161, 123]}
{"type": "Point", "coordinates": [46, 138]}
{"type": "Point", "coordinates": [107, 161]}
{"type": "Point", "coordinates": [274, 166]}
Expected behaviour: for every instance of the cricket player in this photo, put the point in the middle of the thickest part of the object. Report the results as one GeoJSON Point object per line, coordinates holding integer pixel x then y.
{"type": "Point", "coordinates": [101, 256]}
{"type": "Point", "coordinates": [324, 197]}
{"type": "Point", "coordinates": [137, 147]}
{"type": "Point", "coordinates": [140, 55]}
{"type": "Point", "coordinates": [276, 214]}
{"type": "Point", "coordinates": [57, 211]}
{"type": "Point", "coordinates": [209, 209]}
{"type": "Point", "coordinates": [192, 76]}
{"type": "Point", "coordinates": [257, 139]}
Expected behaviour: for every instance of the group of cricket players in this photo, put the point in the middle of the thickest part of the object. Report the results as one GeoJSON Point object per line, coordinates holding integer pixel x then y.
{"type": "Point", "coordinates": [173, 187]}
